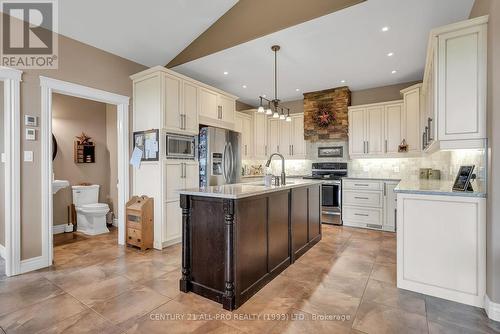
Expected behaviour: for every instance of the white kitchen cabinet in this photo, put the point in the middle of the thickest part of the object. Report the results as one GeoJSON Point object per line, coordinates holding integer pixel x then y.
{"type": "Point", "coordinates": [375, 130]}
{"type": "Point", "coordinates": [260, 136]}
{"type": "Point", "coordinates": [411, 118]}
{"type": "Point", "coordinates": [190, 108]}
{"type": "Point", "coordinates": [299, 145]}
{"type": "Point", "coordinates": [147, 102]}
{"type": "Point", "coordinates": [244, 125]}
{"type": "Point", "coordinates": [455, 87]}
{"type": "Point", "coordinates": [369, 203]}
{"type": "Point", "coordinates": [172, 113]}
{"type": "Point", "coordinates": [357, 127]}
{"type": "Point", "coordinates": [441, 248]}
{"type": "Point", "coordinates": [286, 134]}
{"type": "Point", "coordinates": [172, 224]}
{"type": "Point", "coordinates": [227, 108]}
{"type": "Point", "coordinates": [390, 206]}
{"type": "Point", "coordinates": [393, 127]}
{"type": "Point", "coordinates": [208, 104]}
{"type": "Point", "coordinates": [273, 136]}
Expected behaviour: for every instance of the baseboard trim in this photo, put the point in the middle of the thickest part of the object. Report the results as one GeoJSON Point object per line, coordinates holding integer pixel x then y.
{"type": "Point", "coordinates": [58, 229]}
{"type": "Point", "coordinates": [492, 309]}
{"type": "Point", "coordinates": [32, 264]}
{"type": "Point", "coordinates": [165, 244]}
{"type": "Point", "coordinates": [2, 252]}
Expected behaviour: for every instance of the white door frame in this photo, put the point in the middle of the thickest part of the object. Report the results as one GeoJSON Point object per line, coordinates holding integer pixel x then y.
{"type": "Point", "coordinates": [12, 149]}
{"type": "Point", "coordinates": [49, 86]}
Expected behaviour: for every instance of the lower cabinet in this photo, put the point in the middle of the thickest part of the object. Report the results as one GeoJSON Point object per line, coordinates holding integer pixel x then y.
{"type": "Point", "coordinates": [369, 204]}
{"type": "Point", "coordinates": [305, 218]}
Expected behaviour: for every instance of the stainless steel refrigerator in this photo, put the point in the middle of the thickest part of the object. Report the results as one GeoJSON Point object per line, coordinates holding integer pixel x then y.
{"type": "Point", "coordinates": [219, 156]}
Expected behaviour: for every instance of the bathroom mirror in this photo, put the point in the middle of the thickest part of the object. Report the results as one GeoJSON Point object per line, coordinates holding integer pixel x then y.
{"type": "Point", "coordinates": [54, 147]}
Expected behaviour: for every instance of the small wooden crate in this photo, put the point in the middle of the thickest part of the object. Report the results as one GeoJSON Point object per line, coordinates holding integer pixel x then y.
{"type": "Point", "coordinates": [140, 221]}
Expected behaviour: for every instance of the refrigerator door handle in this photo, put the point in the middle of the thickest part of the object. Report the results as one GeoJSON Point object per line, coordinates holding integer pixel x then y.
{"type": "Point", "coordinates": [231, 162]}
{"type": "Point", "coordinates": [224, 162]}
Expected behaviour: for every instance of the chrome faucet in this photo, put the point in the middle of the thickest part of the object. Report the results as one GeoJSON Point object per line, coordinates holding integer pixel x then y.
{"type": "Point", "coordinates": [283, 175]}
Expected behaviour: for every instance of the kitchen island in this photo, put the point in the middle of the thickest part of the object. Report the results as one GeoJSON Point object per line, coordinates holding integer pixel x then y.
{"type": "Point", "coordinates": [237, 238]}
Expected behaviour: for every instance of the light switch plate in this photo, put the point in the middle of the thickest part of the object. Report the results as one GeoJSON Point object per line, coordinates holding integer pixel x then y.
{"type": "Point", "coordinates": [28, 156]}
{"type": "Point", "coordinates": [30, 134]}
{"type": "Point", "coordinates": [30, 120]}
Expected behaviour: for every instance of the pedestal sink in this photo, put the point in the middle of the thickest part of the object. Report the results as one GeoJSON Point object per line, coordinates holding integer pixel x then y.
{"type": "Point", "coordinates": [58, 185]}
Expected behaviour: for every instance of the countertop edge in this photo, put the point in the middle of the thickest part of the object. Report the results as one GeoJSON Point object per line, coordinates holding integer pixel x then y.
{"type": "Point", "coordinates": [441, 193]}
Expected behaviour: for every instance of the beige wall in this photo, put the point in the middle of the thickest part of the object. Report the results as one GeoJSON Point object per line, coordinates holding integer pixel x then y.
{"type": "Point", "coordinates": [378, 94]}
{"type": "Point", "coordinates": [111, 144]}
{"type": "Point", "coordinates": [2, 170]}
{"type": "Point", "coordinates": [492, 7]}
{"type": "Point", "coordinates": [70, 117]}
{"type": "Point", "coordinates": [81, 64]}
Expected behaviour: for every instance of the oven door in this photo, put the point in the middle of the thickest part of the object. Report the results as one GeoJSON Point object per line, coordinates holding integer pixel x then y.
{"type": "Point", "coordinates": [180, 147]}
{"type": "Point", "coordinates": [331, 205]}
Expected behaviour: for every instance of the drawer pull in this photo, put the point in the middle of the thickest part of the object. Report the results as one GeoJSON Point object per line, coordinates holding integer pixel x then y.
{"type": "Point", "coordinates": [366, 198]}
{"type": "Point", "coordinates": [361, 185]}
{"type": "Point", "coordinates": [361, 214]}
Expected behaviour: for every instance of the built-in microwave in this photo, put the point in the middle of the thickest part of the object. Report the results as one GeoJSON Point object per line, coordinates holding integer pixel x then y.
{"type": "Point", "coordinates": [180, 146]}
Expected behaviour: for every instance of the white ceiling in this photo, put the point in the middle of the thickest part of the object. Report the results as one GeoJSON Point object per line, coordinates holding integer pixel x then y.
{"type": "Point", "coordinates": [346, 45]}
{"type": "Point", "coordinates": [149, 32]}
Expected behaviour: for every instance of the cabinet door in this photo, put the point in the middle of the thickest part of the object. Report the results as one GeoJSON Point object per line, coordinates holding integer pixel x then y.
{"type": "Point", "coordinates": [462, 84]}
{"type": "Point", "coordinates": [393, 131]}
{"type": "Point", "coordinates": [411, 120]}
{"type": "Point", "coordinates": [314, 212]}
{"type": "Point", "coordinates": [172, 113]}
{"type": "Point", "coordinates": [299, 145]}
{"type": "Point", "coordinates": [299, 217]}
{"type": "Point", "coordinates": [357, 132]}
{"type": "Point", "coordinates": [247, 149]}
{"type": "Point", "coordinates": [208, 103]}
{"type": "Point", "coordinates": [147, 103]}
{"type": "Point", "coordinates": [228, 107]}
{"type": "Point", "coordinates": [190, 107]}
{"type": "Point", "coordinates": [390, 206]}
{"type": "Point", "coordinates": [192, 175]}
{"type": "Point", "coordinates": [173, 180]}
{"type": "Point", "coordinates": [273, 136]}
{"type": "Point", "coordinates": [172, 229]}
{"type": "Point", "coordinates": [375, 130]}
{"type": "Point", "coordinates": [285, 138]}
{"type": "Point", "coordinates": [260, 136]}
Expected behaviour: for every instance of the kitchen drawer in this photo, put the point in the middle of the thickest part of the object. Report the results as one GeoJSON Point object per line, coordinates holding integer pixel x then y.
{"type": "Point", "coordinates": [133, 235]}
{"type": "Point", "coordinates": [363, 198]}
{"type": "Point", "coordinates": [362, 215]}
{"type": "Point", "coordinates": [362, 185]}
{"type": "Point", "coordinates": [132, 225]}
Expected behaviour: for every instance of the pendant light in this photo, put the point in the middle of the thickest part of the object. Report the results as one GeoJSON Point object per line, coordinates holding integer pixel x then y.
{"type": "Point", "coordinates": [261, 108]}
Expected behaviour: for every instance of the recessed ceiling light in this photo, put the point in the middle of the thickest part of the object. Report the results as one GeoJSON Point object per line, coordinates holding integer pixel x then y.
{"type": "Point", "coordinates": [385, 29]}
{"type": "Point", "coordinates": [394, 72]}
{"type": "Point", "coordinates": [244, 86]}
{"type": "Point", "coordinates": [226, 72]}
{"type": "Point", "coordinates": [390, 54]}
{"type": "Point", "coordinates": [297, 90]}
{"type": "Point", "coordinates": [342, 81]}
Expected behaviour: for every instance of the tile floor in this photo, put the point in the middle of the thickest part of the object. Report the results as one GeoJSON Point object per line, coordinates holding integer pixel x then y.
{"type": "Point", "coordinates": [345, 284]}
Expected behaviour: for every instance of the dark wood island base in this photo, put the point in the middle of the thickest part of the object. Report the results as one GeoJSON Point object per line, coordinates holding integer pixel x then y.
{"type": "Point", "coordinates": [231, 248]}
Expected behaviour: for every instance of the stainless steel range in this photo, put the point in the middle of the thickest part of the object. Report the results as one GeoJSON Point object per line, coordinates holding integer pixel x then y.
{"type": "Point", "coordinates": [331, 173]}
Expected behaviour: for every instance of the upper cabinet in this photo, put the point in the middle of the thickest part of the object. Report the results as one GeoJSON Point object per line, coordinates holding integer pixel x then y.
{"type": "Point", "coordinates": [164, 99]}
{"type": "Point", "coordinates": [260, 136]}
{"type": "Point", "coordinates": [454, 87]}
{"type": "Point", "coordinates": [244, 125]}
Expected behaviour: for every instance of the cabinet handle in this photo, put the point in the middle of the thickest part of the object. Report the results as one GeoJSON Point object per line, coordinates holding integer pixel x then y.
{"type": "Point", "coordinates": [265, 150]}
{"type": "Point", "coordinates": [278, 148]}
{"type": "Point", "coordinates": [385, 189]}
{"type": "Point", "coordinates": [395, 216]}
{"type": "Point", "coordinates": [429, 123]}
{"type": "Point", "coordinates": [386, 146]}
{"type": "Point", "coordinates": [221, 112]}
{"type": "Point", "coordinates": [367, 147]}
{"type": "Point", "coordinates": [361, 185]}
{"type": "Point", "coordinates": [361, 214]}
{"type": "Point", "coordinates": [365, 198]}
{"type": "Point", "coordinates": [246, 151]}
{"type": "Point", "coordinates": [292, 149]}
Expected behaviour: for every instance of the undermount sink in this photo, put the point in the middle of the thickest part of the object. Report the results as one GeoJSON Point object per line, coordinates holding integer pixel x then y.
{"type": "Point", "coordinates": [58, 185]}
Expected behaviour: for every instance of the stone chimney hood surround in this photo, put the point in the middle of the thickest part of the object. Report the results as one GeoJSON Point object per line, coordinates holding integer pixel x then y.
{"type": "Point", "coordinates": [332, 103]}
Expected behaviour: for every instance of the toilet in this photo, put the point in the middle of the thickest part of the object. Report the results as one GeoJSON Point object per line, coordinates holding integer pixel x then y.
{"type": "Point", "coordinates": [90, 215]}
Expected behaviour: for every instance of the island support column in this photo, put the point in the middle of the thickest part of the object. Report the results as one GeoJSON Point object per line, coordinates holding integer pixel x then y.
{"type": "Point", "coordinates": [186, 243]}
{"type": "Point", "coordinates": [228, 300]}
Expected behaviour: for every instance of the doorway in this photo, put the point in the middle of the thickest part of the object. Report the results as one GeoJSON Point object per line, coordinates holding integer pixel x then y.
{"type": "Point", "coordinates": [85, 169]}
{"type": "Point", "coordinates": [49, 87]}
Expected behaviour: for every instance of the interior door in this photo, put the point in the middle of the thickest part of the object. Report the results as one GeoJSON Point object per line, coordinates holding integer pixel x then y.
{"type": "Point", "coordinates": [375, 130]}
{"type": "Point", "coordinates": [393, 133]}
{"type": "Point", "coordinates": [172, 117]}
{"type": "Point", "coordinates": [357, 131]}
{"type": "Point", "coordinates": [190, 107]}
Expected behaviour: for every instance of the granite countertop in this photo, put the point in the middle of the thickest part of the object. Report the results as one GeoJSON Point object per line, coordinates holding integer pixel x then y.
{"type": "Point", "coordinates": [438, 187]}
{"type": "Point", "coordinates": [371, 178]}
{"type": "Point", "coordinates": [243, 190]}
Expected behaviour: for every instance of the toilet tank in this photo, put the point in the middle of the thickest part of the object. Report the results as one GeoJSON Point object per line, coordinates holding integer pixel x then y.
{"type": "Point", "coordinates": [85, 194]}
